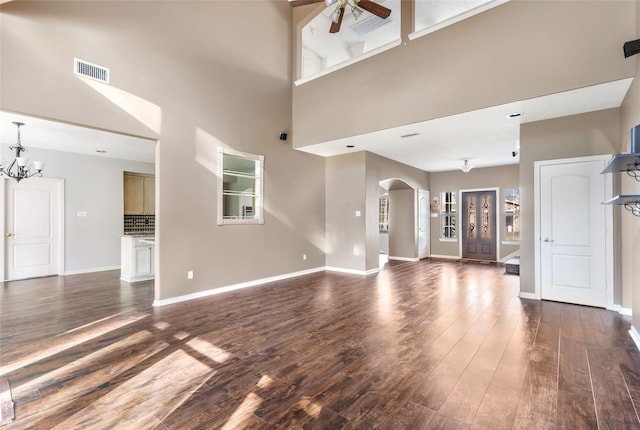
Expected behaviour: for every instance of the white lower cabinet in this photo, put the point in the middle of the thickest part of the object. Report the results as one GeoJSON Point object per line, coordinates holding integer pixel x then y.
{"type": "Point", "coordinates": [137, 255]}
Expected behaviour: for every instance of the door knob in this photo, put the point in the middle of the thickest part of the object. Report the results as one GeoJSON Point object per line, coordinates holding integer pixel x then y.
{"type": "Point", "coordinates": [546, 239]}
{"type": "Point", "coordinates": [8, 234]}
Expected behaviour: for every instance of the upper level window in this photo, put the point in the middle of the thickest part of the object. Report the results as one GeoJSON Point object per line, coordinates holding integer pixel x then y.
{"type": "Point", "coordinates": [512, 214]}
{"type": "Point", "coordinates": [433, 15]}
{"type": "Point", "coordinates": [448, 210]}
{"type": "Point", "coordinates": [239, 187]}
{"type": "Point", "coordinates": [323, 52]}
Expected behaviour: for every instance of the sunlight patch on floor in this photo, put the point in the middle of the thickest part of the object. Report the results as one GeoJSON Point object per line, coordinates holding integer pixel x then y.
{"type": "Point", "coordinates": [311, 408]}
{"type": "Point", "coordinates": [264, 382]}
{"type": "Point", "coordinates": [80, 365]}
{"type": "Point", "coordinates": [242, 414]}
{"type": "Point", "coordinates": [90, 324]}
{"type": "Point", "coordinates": [180, 335]}
{"type": "Point", "coordinates": [137, 402]}
{"type": "Point", "coordinates": [162, 325]}
{"type": "Point", "coordinates": [218, 355]}
{"type": "Point", "coordinates": [73, 339]}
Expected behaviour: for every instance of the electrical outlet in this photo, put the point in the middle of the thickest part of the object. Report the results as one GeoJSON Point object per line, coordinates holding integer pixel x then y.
{"type": "Point", "coordinates": [190, 274]}
{"type": "Point", "coordinates": [304, 256]}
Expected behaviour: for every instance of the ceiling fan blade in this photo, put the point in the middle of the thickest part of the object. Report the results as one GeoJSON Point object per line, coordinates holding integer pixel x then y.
{"type": "Point", "coordinates": [335, 26]}
{"type": "Point", "coordinates": [295, 3]}
{"type": "Point", "coordinates": [374, 8]}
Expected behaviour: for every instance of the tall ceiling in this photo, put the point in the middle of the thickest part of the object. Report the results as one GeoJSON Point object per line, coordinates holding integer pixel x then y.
{"type": "Point", "coordinates": [566, 68]}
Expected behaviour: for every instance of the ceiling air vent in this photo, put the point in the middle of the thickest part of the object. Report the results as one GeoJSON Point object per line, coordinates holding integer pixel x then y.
{"type": "Point", "coordinates": [92, 71]}
{"type": "Point", "coordinates": [366, 26]}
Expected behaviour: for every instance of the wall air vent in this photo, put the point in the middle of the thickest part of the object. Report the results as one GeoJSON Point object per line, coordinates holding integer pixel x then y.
{"type": "Point", "coordinates": [89, 70]}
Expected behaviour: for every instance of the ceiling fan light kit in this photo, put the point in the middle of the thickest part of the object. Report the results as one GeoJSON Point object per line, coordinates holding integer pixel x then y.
{"type": "Point", "coordinates": [357, 9]}
{"type": "Point", "coordinates": [335, 16]}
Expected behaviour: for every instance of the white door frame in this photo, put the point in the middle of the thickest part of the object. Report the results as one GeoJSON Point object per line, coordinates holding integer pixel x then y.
{"type": "Point", "coordinates": [498, 212]}
{"type": "Point", "coordinates": [537, 238]}
{"type": "Point", "coordinates": [59, 227]}
{"type": "Point", "coordinates": [417, 218]}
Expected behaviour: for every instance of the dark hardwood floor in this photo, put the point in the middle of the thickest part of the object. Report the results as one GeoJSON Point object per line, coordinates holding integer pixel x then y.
{"type": "Point", "coordinates": [418, 346]}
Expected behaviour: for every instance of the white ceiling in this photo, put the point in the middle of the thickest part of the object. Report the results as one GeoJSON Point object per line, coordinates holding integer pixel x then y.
{"type": "Point", "coordinates": [57, 136]}
{"type": "Point", "coordinates": [485, 137]}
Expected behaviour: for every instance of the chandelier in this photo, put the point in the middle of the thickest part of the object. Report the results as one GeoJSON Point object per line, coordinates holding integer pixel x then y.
{"type": "Point", "coordinates": [20, 168]}
{"type": "Point", "coordinates": [466, 167]}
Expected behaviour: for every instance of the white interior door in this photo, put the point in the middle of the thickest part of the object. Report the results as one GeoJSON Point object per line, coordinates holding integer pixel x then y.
{"type": "Point", "coordinates": [33, 223]}
{"type": "Point", "coordinates": [573, 232]}
{"type": "Point", "coordinates": [423, 224]}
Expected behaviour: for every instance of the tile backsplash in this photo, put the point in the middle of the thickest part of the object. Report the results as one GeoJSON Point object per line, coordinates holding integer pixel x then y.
{"type": "Point", "coordinates": [139, 224]}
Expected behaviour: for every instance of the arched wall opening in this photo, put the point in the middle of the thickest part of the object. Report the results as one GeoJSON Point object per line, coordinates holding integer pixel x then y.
{"type": "Point", "coordinates": [400, 240]}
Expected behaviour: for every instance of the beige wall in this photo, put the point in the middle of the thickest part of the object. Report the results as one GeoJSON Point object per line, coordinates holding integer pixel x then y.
{"type": "Point", "coordinates": [345, 232]}
{"type": "Point", "coordinates": [402, 224]}
{"type": "Point", "coordinates": [447, 72]}
{"type": "Point", "coordinates": [630, 225]}
{"type": "Point", "coordinates": [189, 75]}
{"type": "Point", "coordinates": [593, 133]}
{"type": "Point", "coordinates": [353, 184]}
{"type": "Point", "coordinates": [493, 177]}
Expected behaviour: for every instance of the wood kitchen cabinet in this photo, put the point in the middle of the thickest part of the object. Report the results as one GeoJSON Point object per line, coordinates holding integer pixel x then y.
{"type": "Point", "coordinates": [139, 194]}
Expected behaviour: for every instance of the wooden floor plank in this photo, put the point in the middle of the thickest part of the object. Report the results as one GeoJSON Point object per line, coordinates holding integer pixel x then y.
{"type": "Point", "coordinates": [538, 401]}
{"type": "Point", "coordinates": [432, 344]}
{"type": "Point", "coordinates": [6, 403]}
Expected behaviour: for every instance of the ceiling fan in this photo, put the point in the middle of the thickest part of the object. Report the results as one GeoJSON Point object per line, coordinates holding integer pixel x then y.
{"type": "Point", "coordinates": [357, 7]}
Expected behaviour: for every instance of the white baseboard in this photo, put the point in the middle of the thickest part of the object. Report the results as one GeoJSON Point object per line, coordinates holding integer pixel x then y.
{"type": "Point", "coordinates": [622, 311]}
{"type": "Point", "coordinates": [531, 296]}
{"type": "Point", "coordinates": [90, 270]}
{"type": "Point", "coordinates": [211, 292]}
{"type": "Point", "coordinates": [625, 311]}
{"type": "Point", "coordinates": [352, 271]}
{"type": "Point", "coordinates": [635, 336]}
{"type": "Point", "coordinates": [391, 257]}
{"type": "Point", "coordinates": [445, 257]}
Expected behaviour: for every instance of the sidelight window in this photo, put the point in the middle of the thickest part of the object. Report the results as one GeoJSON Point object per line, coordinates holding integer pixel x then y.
{"type": "Point", "coordinates": [512, 214]}
{"type": "Point", "coordinates": [448, 210]}
{"type": "Point", "coordinates": [383, 214]}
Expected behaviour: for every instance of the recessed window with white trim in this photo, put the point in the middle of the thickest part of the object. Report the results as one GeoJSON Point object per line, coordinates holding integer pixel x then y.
{"type": "Point", "coordinates": [239, 187]}
{"type": "Point", "coordinates": [327, 46]}
{"type": "Point", "coordinates": [448, 210]}
{"type": "Point", "coordinates": [433, 15]}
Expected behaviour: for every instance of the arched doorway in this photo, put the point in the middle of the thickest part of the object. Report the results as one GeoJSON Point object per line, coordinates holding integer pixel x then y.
{"type": "Point", "coordinates": [403, 221]}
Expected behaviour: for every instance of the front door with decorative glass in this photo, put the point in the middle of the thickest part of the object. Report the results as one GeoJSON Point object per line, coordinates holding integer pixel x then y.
{"type": "Point", "coordinates": [479, 225]}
